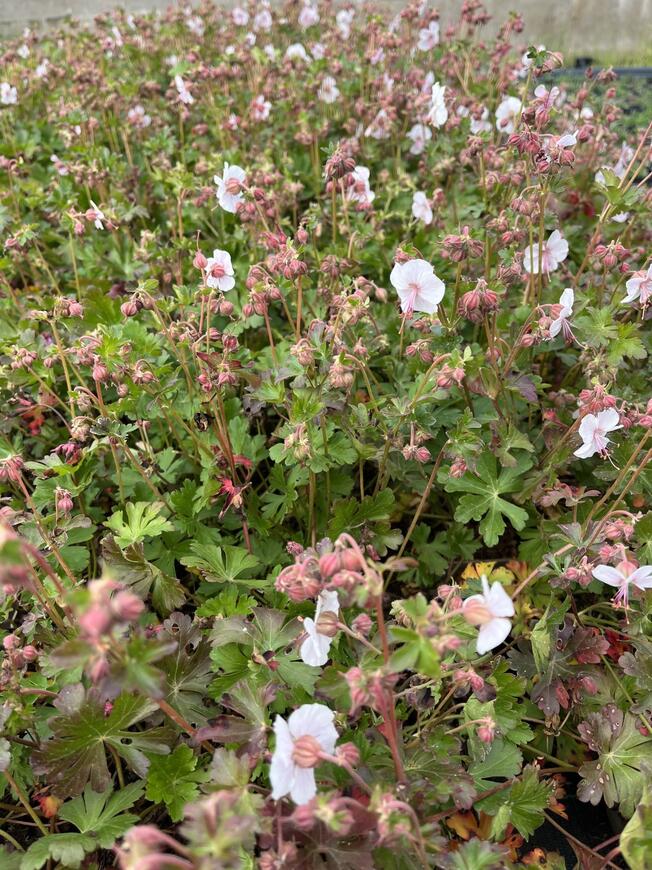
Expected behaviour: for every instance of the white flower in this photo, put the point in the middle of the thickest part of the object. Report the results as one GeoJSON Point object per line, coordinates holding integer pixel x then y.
{"type": "Point", "coordinates": [42, 69]}
{"type": "Point", "coordinates": [59, 165]}
{"type": "Point", "coordinates": [219, 271]}
{"type": "Point", "coordinates": [481, 124]}
{"type": "Point", "coordinates": [260, 108]}
{"type": "Point", "coordinates": [308, 16]}
{"type": "Point", "coordinates": [8, 94]}
{"type": "Point", "coordinates": [314, 650]}
{"type": "Point", "coordinates": [138, 117]}
{"type": "Point", "coordinates": [418, 287]}
{"type": "Point", "coordinates": [329, 92]}
{"type": "Point", "coordinates": [554, 251]}
{"type": "Point", "coordinates": [360, 191]}
{"type": "Point", "coordinates": [240, 16]}
{"type": "Point", "coordinates": [317, 50]}
{"type": "Point", "coordinates": [639, 286]}
{"type": "Point", "coordinates": [286, 775]}
{"type": "Point", "coordinates": [429, 37]}
{"type": "Point", "coordinates": [491, 611]}
{"type": "Point", "coordinates": [263, 20]}
{"type": "Point", "coordinates": [344, 19]}
{"type": "Point", "coordinates": [229, 187]}
{"type": "Point", "coordinates": [195, 25]}
{"type": "Point", "coordinates": [507, 114]}
{"type": "Point", "coordinates": [23, 51]}
{"type": "Point", "coordinates": [526, 62]}
{"type": "Point", "coordinates": [184, 94]}
{"type": "Point", "coordinates": [438, 113]}
{"type": "Point", "coordinates": [297, 52]}
{"type": "Point", "coordinates": [622, 576]}
{"type": "Point", "coordinates": [421, 208]}
{"type": "Point", "coordinates": [420, 136]}
{"type": "Point", "coordinates": [380, 126]}
{"type": "Point", "coordinates": [593, 432]}
{"type": "Point", "coordinates": [568, 140]}
{"type": "Point", "coordinates": [97, 217]}
{"type": "Point", "coordinates": [560, 322]}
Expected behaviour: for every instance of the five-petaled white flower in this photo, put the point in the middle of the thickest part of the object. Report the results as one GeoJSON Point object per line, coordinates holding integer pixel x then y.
{"type": "Point", "coordinates": [314, 650]}
{"type": "Point", "coordinates": [507, 114]}
{"type": "Point", "coordinates": [622, 577]}
{"type": "Point", "coordinates": [96, 214]}
{"type": "Point", "coordinates": [593, 432]}
{"type": "Point", "coordinates": [418, 287]}
{"type": "Point", "coordinates": [240, 16]}
{"type": "Point", "coordinates": [553, 252]}
{"type": "Point", "coordinates": [8, 94]}
{"type": "Point", "coordinates": [438, 113]}
{"type": "Point", "coordinates": [639, 286]}
{"type": "Point", "coordinates": [219, 271]}
{"type": "Point", "coordinates": [260, 108]}
{"type": "Point", "coordinates": [429, 37]}
{"type": "Point", "coordinates": [296, 52]}
{"type": "Point", "coordinates": [420, 136]}
{"type": "Point", "coordinates": [308, 732]}
{"type": "Point", "coordinates": [360, 191]}
{"type": "Point", "coordinates": [184, 94]}
{"type": "Point", "coordinates": [491, 611]}
{"type": "Point", "coordinates": [344, 19]}
{"type": "Point", "coordinates": [421, 209]}
{"type": "Point", "coordinates": [329, 92]}
{"type": "Point", "coordinates": [560, 323]}
{"type": "Point", "coordinates": [230, 187]}
{"type": "Point", "coordinates": [308, 16]}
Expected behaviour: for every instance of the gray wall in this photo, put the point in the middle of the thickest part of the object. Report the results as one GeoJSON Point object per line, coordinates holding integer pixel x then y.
{"type": "Point", "coordinates": [579, 27]}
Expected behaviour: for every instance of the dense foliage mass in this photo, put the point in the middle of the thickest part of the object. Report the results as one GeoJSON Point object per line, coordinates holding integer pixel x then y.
{"type": "Point", "coordinates": [324, 446]}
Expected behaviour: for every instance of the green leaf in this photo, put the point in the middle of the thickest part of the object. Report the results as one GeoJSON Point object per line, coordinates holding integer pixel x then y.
{"type": "Point", "coordinates": [102, 815]}
{"type": "Point", "coordinates": [521, 805]}
{"type": "Point", "coordinates": [222, 564]}
{"type": "Point", "coordinates": [173, 780]}
{"type": "Point", "coordinates": [483, 501]}
{"type": "Point", "coordinates": [636, 838]}
{"type": "Point", "coordinates": [143, 521]}
{"type": "Point", "coordinates": [83, 734]}
{"type": "Point", "coordinates": [129, 566]}
{"type": "Point", "coordinates": [616, 776]}
{"type": "Point", "coordinates": [501, 762]}
{"type": "Point", "coordinates": [67, 849]}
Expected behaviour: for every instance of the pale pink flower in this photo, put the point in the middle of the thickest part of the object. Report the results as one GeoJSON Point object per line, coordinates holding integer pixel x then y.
{"type": "Point", "coordinates": [219, 271]}
{"type": "Point", "coordinates": [554, 251]}
{"type": "Point", "coordinates": [8, 94]}
{"type": "Point", "coordinates": [429, 37]}
{"type": "Point", "coordinates": [420, 135]}
{"type": "Point", "coordinates": [308, 16]}
{"type": "Point", "coordinates": [418, 288]}
{"type": "Point", "coordinates": [263, 20]}
{"type": "Point", "coordinates": [491, 611]}
{"type": "Point", "coordinates": [481, 124]}
{"type": "Point", "coordinates": [438, 113]}
{"type": "Point", "coordinates": [329, 92]}
{"type": "Point", "coordinates": [507, 114]}
{"type": "Point", "coordinates": [230, 187]}
{"type": "Point", "coordinates": [96, 214]}
{"type": "Point", "coordinates": [380, 126]}
{"type": "Point", "coordinates": [639, 286]}
{"type": "Point", "coordinates": [360, 191]}
{"type": "Point", "coordinates": [240, 16]}
{"type": "Point", "coordinates": [315, 648]}
{"type": "Point", "coordinates": [260, 108]}
{"type": "Point", "coordinates": [560, 323]}
{"type": "Point", "coordinates": [593, 432]}
{"type": "Point", "coordinates": [344, 19]}
{"type": "Point", "coordinates": [292, 768]}
{"type": "Point", "coordinates": [421, 209]}
{"type": "Point", "coordinates": [138, 117]}
{"type": "Point", "coordinates": [184, 94]}
{"type": "Point", "coordinates": [296, 51]}
{"type": "Point", "coordinates": [622, 577]}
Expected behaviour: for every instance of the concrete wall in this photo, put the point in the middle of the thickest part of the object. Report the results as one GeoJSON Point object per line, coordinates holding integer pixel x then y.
{"type": "Point", "coordinates": [579, 27]}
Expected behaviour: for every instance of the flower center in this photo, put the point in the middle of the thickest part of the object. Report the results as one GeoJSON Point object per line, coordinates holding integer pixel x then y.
{"type": "Point", "coordinates": [306, 752]}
